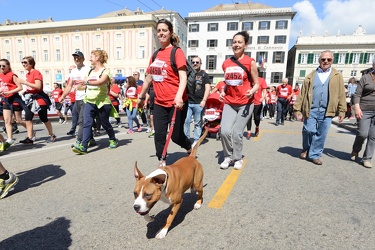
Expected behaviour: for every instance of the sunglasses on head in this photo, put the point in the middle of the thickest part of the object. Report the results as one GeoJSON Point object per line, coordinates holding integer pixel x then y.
{"type": "Point", "coordinates": [194, 62]}
{"type": "Point", "coordinates": [326, 59]}
{"type": "Point", "coordinates": [24, 62]}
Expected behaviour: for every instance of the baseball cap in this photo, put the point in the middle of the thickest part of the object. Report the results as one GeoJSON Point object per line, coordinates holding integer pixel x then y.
{"type": "Point", "coordinates": [78, 53]}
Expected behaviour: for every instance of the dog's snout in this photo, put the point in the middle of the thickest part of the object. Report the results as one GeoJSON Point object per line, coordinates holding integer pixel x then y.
{"type": "Point", "coordinates": [137, 207]}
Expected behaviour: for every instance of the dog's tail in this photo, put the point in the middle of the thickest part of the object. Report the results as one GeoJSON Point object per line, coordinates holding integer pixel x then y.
{"type": "Point", "coordinates": [195, 148]}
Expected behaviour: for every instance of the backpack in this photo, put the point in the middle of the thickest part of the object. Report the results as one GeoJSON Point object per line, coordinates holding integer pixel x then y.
{"type": "Point", "coordinates": [190, 71]}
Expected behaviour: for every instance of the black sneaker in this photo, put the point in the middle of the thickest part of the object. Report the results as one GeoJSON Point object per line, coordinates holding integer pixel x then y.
{"type": "Point", "coordinates": [27, 141]}
{"type": "Point", "coordinates": [72, 133]}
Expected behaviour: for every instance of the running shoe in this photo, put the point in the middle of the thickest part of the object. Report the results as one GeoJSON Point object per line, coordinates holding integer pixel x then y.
{"type": "Point", "coordinates": [113, 144]}
{"type": "Point", "coordinates": [79, 149]}
{"type": "Point", "coordinates": [27, 141]}
{"type": "Point", "coordinates": [6, 185]}
{"type": "Point", "coordinates": [225, 164]}
{"type": "Point", "coordinates": [52, 138]}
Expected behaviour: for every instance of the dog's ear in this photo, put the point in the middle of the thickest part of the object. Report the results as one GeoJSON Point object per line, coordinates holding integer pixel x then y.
{"type": "Point", "coordinates": [159, 179]}
{"type": "Point", "coordinates": [137, 174]}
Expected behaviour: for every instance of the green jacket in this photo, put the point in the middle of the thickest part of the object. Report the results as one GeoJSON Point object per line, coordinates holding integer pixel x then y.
{"type": "Point", "coordinates": [336, 96]}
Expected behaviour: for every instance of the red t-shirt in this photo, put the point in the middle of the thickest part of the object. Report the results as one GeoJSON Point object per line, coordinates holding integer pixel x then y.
{"type": "Point", "coordinates": [220, 86]}
{"type": "Point", "coordinates": [258, 94]}
{"type": "Point", "coordinates": [132, 94]}
{"type": "Point", "coordinates": [72, 96]}
{"type": "Point", "coordinates": [31, 77]}
{"type": "Point", "coordinates": [164, 79]}
{"type": "Point", "coordinates": [7, 84]}
{"type": "Point", "coordinates": [294, 97]}
{"type": "Point", "coordinates": [237, 81]}
{"type": "Point", "coordinates": [56, 93]}
{"type": "Point", "coordinates": [284, 91]}
{"type": "Point", "coordinates": [272, 97]}
{"type": "Point", "coordinates": [115, 88]}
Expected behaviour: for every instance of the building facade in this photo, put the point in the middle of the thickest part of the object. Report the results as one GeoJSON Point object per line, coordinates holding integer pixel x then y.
{"type": "Point", "coordinates": [129, 38]}
{"type": "Point", "coordinates": [210, 36]}
{"type": "Point", "coordinates": [352, 54]}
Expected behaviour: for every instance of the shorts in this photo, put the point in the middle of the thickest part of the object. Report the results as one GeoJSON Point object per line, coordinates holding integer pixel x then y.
{"type": "Point", "coordinates": [58, 106]}
{"type": "Point", "coordinates": [15, 107]}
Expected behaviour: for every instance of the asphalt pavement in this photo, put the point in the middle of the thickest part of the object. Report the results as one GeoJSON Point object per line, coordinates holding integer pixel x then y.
{"type": "Point", "coordinates": [277, 201]}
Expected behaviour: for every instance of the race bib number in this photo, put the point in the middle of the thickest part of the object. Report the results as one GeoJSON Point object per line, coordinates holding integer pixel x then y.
{"type": "Point", "coordinates": [234, 76]}
{"type": "Point", "coordinates": [157, 70]}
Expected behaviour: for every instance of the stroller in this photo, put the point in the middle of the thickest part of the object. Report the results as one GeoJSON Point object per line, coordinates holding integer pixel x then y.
{"type": "Point", "coordinates": [212, 115]}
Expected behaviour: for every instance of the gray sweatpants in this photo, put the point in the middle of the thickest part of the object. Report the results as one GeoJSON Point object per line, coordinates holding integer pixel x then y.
{"type": "Point", "coordinates": [233, 122]}
{"type": "Point", "coordinates": [366, 130]}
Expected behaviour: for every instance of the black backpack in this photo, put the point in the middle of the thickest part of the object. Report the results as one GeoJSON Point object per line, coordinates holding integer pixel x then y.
{"type": "Point", "coordinates": [190, 71]}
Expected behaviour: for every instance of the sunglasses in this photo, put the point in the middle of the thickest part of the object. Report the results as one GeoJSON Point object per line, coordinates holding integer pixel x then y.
{"type": "Point", "coordinates": [3, 66]}
{"type": "Point", "coordinates": [24, 62]}
{"type": "Point", "coordinates": [326, 59]}
{"type": "Point", "coordinates": [193, 62]}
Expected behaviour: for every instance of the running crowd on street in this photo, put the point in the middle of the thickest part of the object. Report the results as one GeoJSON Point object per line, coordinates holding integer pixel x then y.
{"type": "Point", "coordinates": [94, 99]}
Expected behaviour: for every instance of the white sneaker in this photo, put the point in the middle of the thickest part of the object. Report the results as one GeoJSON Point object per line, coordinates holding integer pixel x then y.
{"type": "Point", "coordinates": [225, 163]}
{"type": "Point", "coordinates": [162, 163]}
{"type": "Point", "coordinates": [60, 121]}
{"type": "Point", "coordinates": [238, 164]}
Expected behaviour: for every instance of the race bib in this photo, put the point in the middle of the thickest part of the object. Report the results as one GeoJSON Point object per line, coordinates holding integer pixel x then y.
{"type": "Point", "coordinates": [234, 76]}
{"type": "Point", "coordinates": [157, 70]}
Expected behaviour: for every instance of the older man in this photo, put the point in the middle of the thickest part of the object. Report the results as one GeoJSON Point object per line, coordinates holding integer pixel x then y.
{"type": "Point", "coordinates": [321, 98]}
{"type": "Point", "coordinates": [283, 95]}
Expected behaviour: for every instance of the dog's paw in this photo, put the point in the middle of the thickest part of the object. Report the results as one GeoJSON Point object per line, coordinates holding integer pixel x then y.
{"type": "Point", "coordinates": [197, 206]}
{"type": "Point", "coordinates": [148, 218]}
{"type": "Point", "coordinates": [162, 233]}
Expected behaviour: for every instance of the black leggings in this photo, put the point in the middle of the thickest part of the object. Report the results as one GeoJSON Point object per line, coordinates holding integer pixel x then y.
{"type": "Point", "coordinates": [256, 113]}
{"type": "Point", "coordinates": [42, 114]}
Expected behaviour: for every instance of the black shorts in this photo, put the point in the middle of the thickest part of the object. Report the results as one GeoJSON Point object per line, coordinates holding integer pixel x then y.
{"type": "Point", "coordinates": [58, 106]}
{"type": "Point", "coordinates": [15, 107]}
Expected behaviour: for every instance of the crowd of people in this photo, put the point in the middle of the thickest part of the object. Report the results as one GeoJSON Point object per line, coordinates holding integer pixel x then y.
{"type": "Point", "coordinates": [168, 100]}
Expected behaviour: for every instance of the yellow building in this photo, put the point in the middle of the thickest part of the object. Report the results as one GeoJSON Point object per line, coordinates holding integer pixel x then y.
{"type": "Point", "coordinates": [129, 37]}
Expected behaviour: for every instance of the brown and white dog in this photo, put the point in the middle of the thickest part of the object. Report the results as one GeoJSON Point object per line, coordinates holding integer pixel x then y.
{"type": "Point", "coordinates": [168, 184]}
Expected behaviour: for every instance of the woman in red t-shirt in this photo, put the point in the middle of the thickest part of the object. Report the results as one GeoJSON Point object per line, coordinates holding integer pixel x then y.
{"type": "Point", "coordinates": [34, 90]}
{"type": "Point", "coordinates": [12, 102]}
{"type": "Point", "coordinates": [170, 90]}
{"type": "Point", "coordinates": [115, 96]}
{"type": "Point", "coordinates": [238, 99]}
{"type": "Point", "coordinates": [131, 97]}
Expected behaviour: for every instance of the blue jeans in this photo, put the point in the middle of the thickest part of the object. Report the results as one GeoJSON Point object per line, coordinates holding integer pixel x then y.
{"type": "Point", "coordinates": [282, 108]}
{"type": "Point", "coordinates": [314, 132]}
{"type": "Point", "coordinates": [132, 116]}
{"type": "Point", "coordinates": [197, 111]}
{"type": "Point", "coordinates": [90, 111]}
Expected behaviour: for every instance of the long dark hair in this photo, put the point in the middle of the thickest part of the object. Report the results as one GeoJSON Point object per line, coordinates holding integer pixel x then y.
{"type": "Point", "coordinates": [6, 62]}
{"type": "Point", "coordinates": [175, 40]}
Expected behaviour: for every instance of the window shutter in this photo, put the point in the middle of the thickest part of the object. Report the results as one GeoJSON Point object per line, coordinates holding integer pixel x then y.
{"type": "Point", "coordinates": [365, 58]}
{"type": "Point", "coordinates": [299, 58]}
{"type": "Point", "coordinates": [351, 58]}
{"type": "Point", "coordinates": [310, 58]}
{"type": "Point", "coordinates": [335, 58]}
{"type": "Point", "coordinates": [347, 58]}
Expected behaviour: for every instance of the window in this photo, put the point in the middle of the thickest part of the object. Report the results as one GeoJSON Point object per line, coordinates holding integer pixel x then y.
{"type": "Point", "coordinates": [46, 72]}
{"type": "Point", "coordinates": [247, 53]}
{"type": "Point", "coordinates": [353, 73]}
{"type": "Point", "coordinates": [45, 39]}
{"type": "Point", "coordinates": [228, 56]}
{"type": "Point", "coordinates": [33, 54]}
{"type": "Point", "coordinates": [45, 55]}
{"type": "Point", "coordinates": [118, 72]}
{"type": "Point", "coordinates": [370, 58]}
{"type": "Point", "coordinates": [316, 59]}
{"type": "Point", "coordinates": [251, 40]}
{"type": "Point", "coordinates": [212, 43]}
{"type": "Point", "coordinates": [232, 26]}
{"type": "Point", "coordinates": [276, 77]}
{"type": "Point", "coordinates": [212, 27]}
{"type": "Point", "coordinates": [280, 39]}
{"type": "Point", "coordinates": [261, 57]}
{"type": "Point", "coordinates": [229, 42]}
{"type": "Point", "coordinates": [19, 41]}
{"type": "Point", "coordinates": [118, 36]}
{"type": "Point", "coordinates": [263, 39]}
{"type": "Point", "coordinates": [6, 41]}
{"type": "Point", "coordinates": [58, 55]}
{"type": "Point", "coordinates": [264, 25]}
{"type": "Point", "coordinates": [356, 57]}
{"type": "Point", "coordinates": [247, 25]}
{"type": "Point", "coordinates": [302, 73]}
{"type": "Point", "coordinates": [7, 55]}
{"type": "Point", "coordinates": [118, 53]}
{"type": "Point", "coordinates": [142, 52]}
{"type": "Point", "coordinates": [302, 58]}
{"type": "Point", "coordinates": [20, 55]}
{"type": "Point", "coordinates": [278, 57]}
{"type": "Point", "coordinates": [193, 43]}
{"type": "Point", "coordinates": [57, 39]}
{"type": "Point", "coordinates": [342, 57]}
{"type": "Point", "coordinates": [33, 40]}
{"type": "Point", "coordinates": [76, 38]}
{"type": "Point", "coordinates": [281, 25]}
{"type": "Point", "coordinates": [211, 62]}
{"type": "Point", "coordinates": [194, 27]}
{"type": "Point", "coordinates": [141, 34]}
{"type": "Point", "coordinates": [191, 57]}
{"type": "Point", "coordinates": [97, 37]}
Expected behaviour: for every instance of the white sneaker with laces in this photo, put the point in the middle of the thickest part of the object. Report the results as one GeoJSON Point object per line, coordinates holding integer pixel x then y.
{"type": "Point", "coordinates": [225, 163]}
{"type": "Point", "coordinates": [238, 164]}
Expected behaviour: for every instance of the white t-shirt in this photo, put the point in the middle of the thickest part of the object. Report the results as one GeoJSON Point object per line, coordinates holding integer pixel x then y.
{"type": "Point", "coordinates": [79, 74]}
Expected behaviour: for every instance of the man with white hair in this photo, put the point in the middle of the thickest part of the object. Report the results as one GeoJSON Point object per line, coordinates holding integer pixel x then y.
{"type": "Point", "coordinates": [283, 95]}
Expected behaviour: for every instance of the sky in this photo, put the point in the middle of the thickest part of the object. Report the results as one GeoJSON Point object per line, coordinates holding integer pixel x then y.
{"type": "Point", "coordinates": [313, 16]}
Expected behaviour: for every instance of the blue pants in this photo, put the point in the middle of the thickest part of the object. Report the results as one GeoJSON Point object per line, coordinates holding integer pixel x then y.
{"type": "Point", "coordinates": [132, 116]}
{"type": "Point", "coordinates": [197, 111]}
{"type": "Point", "coordinates": [90, 111]}
{"type": "Point", "coordinates": [314, 132]}
{"type": "Point", "coordinates": [282, 108]}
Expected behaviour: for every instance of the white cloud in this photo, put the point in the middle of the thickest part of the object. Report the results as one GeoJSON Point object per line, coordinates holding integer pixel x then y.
{"type": "Point", "coordinates": [337, 16]}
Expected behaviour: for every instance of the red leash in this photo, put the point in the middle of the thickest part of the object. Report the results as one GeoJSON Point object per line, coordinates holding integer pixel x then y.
{"type": "Point", "coordinates": [164, 155]}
